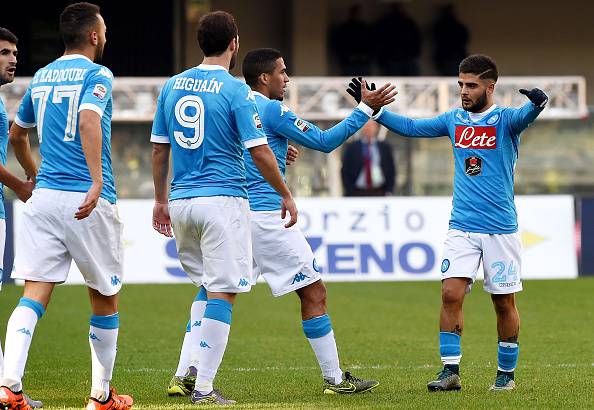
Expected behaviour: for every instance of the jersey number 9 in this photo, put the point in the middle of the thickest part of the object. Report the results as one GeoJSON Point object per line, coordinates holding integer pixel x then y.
{"type": "Point", "coordinates": [189, 113]}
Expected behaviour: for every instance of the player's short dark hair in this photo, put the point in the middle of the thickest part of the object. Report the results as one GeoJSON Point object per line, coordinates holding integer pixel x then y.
{"type": "Point", "coordinates": [259, 61]}
{"type": "Point", "coordinates": [215, 31]}
{"type": "Point", "coordinates": [7, 35]}
{"type": "Point", "coordinates": [76, 21]}
{"type": "Point", "coordinates": [481, 65]}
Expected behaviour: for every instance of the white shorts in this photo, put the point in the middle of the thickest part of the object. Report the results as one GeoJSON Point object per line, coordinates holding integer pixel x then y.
{"type": "Point", "coordinates": [49, 238]}
{"type": "Point", "coordinates": [500, 254]}
{"type": "Point", "coordinates": [2, 245]}
{"type": "Point", "coordinates": [281, 255]}
{"type": "Point", "coordinates": [213, 240]}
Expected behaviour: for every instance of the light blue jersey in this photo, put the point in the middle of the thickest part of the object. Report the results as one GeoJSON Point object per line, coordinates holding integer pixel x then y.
{"type": "Point", "coordinates": [485, 148]}
{"type": "Point", "coordinates": [208, 117]}
{"type": "Point", "coordinates": [282, 125]}
{"type": "Point", "coordinates": [54, 98]}
{"type": "Point", "coordinates": [3, 146]}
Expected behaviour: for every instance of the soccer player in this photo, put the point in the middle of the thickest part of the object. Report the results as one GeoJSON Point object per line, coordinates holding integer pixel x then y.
{"type": "Point", "coordinates": [283, 256]}
{"type": "Point", "coordinates": [483, 226]}
{"type": "Point", "coordinates": [205, 118]}
{"type": "Point", "coordinates": [22, 189]}
{"type": "Point", "coordinates": [72, 213]}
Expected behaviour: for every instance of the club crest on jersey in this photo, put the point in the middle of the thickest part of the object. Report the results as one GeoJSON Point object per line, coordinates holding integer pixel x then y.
{"type": "Point", "coordinates": [257, 121]}
{"type": "Point", "coordinates": [493, 119]}
{"type": "Point", "coordinates": [100, 91]}
{"type": "Point", "coordinates": [473, 166]}
{"type": "Point", "coordinates": [302, 125]}
{"type": "Point", "coordinates": [476, 137]}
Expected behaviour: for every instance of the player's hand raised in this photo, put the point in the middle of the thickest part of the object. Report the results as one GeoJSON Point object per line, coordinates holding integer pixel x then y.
{"type": "Point", "coordinates": [292, 154]}
{"type": "Point", "coordinates": [376, 99]}
{"type": "Point", "coordinates": [536, 96]}
{"type": "Point", "coordinates": [354, 88]}
{"type": "Point", "coordinates": [288, 204]}
{"type": "Point", "coordinates": [161, 220]}
{"type": "Point", "coordinates": [90, 201]}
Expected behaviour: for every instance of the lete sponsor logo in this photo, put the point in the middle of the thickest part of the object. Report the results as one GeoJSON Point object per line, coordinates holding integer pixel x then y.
{"type": "Point", "coordinates": [476, 137]}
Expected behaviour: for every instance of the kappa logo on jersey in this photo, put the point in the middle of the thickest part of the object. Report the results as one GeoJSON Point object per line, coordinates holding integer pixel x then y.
{"type": "Point", "coordinates": [462, 119]}
{"type": "Point", "coordinates": [476, 137]}
{"type": "Point", "coordinates": [105, 72]}
{"type": "Point", "coordinates": [473, 166]}
{"type": "Point", "coordinates": [100, 91]}
{"type": "Point", "coordinates": [257, 121]}
{"type": "Point", "coordinates": [284, 109]}
{"type": "Point", "coordinates": [302, 125]}
{"type": "Point", "coordinates": [250, 96]}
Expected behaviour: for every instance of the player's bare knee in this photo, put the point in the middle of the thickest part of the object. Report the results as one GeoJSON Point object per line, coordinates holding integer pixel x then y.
{"type": "Point", "coordinates": [451, 296]}
{"type": "Point", "coordinates": [313, 296]}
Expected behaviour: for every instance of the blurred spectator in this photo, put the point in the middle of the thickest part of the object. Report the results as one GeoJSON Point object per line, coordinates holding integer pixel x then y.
{"type": "Point", "coordinates": [398, 43]}
{"type": "Point", "coordinates": [450, 38]}
{"type": "Point", "coordinates": [351, 42]}
{"type": "Point", "coordinates": [368, 167]}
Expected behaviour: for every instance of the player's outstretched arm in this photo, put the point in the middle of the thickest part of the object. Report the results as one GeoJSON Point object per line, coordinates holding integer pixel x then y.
{"type": "Point", "coordinates": [19, 139]}
{"type": "Point", "coordinates": [523, 117]}
{"type": "Point", "coordinates": [161, 220]}
{"type": "Point", "coordinates": [287, 124]}
{"type": "Point", "coordinates": [407, 127]}
{"type": "Point", "coordinates": [91, 138]}
{"type": "Point", "coordinates": [266, 162]}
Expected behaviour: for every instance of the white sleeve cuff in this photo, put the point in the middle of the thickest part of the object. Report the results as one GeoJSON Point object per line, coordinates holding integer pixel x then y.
{"type": "Point", "coordinates": [365, 108]}
{"type": "Point", "coordinates": [255, 142]}
{"type": "Point", "coordinates": [92, 107]}
{"type": "Point", "coordinates": [22, 123]}
{"type": "Point", "coordinates": [379, 114]}
{"type": "Point", "coordinates": [159, 139]}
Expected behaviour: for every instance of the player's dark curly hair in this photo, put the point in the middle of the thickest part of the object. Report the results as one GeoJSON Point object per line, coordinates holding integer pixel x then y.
{"type": "Point", "coordinates": [7, 35]}
{"type": "Point", "coordinates": [215, 31]}
{"type": "Point", "coordinates": [259, 61]}
{"type": "Point", "coordinates": [76, 21]}
{"type": "Point", "coordinates": [481, 65]}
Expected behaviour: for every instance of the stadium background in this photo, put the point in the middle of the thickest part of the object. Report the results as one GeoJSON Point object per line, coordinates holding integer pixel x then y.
{"type": "Point", "coordinates": [535, 43]}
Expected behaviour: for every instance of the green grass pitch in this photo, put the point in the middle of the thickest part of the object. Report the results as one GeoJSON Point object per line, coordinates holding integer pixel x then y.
{"type": "Point", "coordinates": [386, 331]}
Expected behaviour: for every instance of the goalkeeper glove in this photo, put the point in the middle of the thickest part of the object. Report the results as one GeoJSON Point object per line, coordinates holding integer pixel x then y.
{"type": "Point", "coordinates": [354, 88]}
{"type": "Point", "coordinates": [536, 96]}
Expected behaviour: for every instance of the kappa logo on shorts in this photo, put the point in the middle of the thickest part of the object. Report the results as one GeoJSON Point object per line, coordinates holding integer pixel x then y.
{"type": "Point", "coordinates": [115, 280]}
{"type": "Point", "coordinates": [445, 265]}
{"type": "Point", "coordinates": [204, 344]}
{"type": "Point", "coordinates": [299, 277]}
{"type": "Point", "coordinates": [197, 323]}
{"type": "Point", "coordinates": [243, 282]}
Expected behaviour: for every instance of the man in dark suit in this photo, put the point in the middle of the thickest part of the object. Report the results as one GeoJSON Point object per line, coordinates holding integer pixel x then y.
{"type": "Point", "coordinates": [368, 165]}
